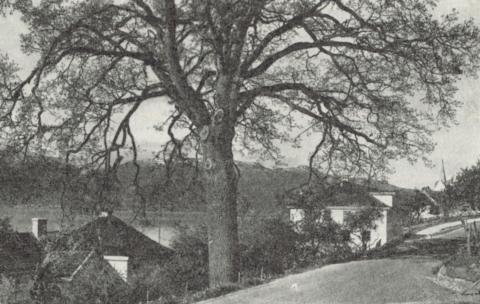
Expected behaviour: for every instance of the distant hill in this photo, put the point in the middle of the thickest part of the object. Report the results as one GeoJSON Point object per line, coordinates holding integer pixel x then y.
{"type": "Point", "coordinates": [40, 182]}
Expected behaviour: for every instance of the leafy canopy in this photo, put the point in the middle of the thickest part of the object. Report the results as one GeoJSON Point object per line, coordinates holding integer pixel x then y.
{"type": "Point", "coordinates": [372, 77]}
{"type": "Point", "coordinates": [466, 186]}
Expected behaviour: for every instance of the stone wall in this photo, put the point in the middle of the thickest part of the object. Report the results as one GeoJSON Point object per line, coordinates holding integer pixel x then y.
{"type": "Point", "coordinates": [455, 284]}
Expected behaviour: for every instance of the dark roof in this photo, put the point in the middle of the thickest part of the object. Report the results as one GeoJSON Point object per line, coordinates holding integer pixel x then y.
{"type": "Point", "coordinates": [64, 267]}
{"type": "Point", "coordinates": [63, 264]}
{"type": "Point", "coordinates": [111, 236]}
{"type": "Point", "coordinates": [20, 252]}
{"type": "Point", "coordinates": [352, 195]}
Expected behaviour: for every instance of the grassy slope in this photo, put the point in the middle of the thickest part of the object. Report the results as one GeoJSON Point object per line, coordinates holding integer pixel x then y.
{"type": "Point", "coordinates": [372, 281]}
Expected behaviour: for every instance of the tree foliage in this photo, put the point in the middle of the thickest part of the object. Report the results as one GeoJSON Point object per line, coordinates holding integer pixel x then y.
{"type": "Point", "coordinates": [271, 252]}
{"type": "Point", "coordinates": [365, 75]}
{"type": "Point", "coordinates": [8, 288]}
{"type": "Point", "coordinates": [361, 223]}
{"type": "Point", "coordinates": [349, 67]}
{"type": "Point", "coordinates": [467, 185]}
{"type": "Point", "coordinates": [411, 204]}
{"type": "Point", "coordinates": [5, 225]}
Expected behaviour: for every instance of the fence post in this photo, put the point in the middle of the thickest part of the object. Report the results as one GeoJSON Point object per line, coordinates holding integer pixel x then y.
{"type": "Point", "coordinates": [474, 238]}
{"type": "Point", "coordinates": [469, 232]}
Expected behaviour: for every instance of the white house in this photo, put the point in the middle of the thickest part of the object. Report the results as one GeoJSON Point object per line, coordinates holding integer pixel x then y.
{"type": "Point", "coordinates": [384, 230]}
{"type": "Point", "coordinates": [349, 199]}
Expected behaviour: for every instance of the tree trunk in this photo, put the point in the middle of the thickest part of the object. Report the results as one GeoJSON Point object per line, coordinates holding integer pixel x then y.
{"type": "Point", "coordinates": [220, 178]}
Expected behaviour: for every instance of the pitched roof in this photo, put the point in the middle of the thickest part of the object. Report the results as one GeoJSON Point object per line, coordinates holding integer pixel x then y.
{"type": "Point", "coordinates": [352, 195]}
{"type": "Point", "coordinates": [67, 266]}
{"type": "Point", "coordinates": [111, 236]}
{"type": "Point", "coordinates": [20, 252]}
{"type": "Point", "coordinates": [64, 264]}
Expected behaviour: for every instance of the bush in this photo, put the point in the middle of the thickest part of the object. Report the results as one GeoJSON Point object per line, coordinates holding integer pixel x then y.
{"type": "Point", "coordinates": [321, 239]}
{"type": "Point", "coordinates": [361, 223]}
{"type": "Point", "coordinates": [189, 264]}
{"type": "Point", "coordinates": [214, 292]}
{"type": "Point", "coordinates": [149, 284]}
{"type": "Point", "coordinates": [185, 272]}
{"type": "Point", "coordinates": [270, 246]}
{"type": "Point", "coordinates": [7, 289]}
{"type": "Point", "coordinates": [270, 252]}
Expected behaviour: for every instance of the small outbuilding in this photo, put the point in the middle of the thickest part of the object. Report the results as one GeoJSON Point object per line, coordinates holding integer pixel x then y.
{"type": "Point", "coordinates": [349, 199]}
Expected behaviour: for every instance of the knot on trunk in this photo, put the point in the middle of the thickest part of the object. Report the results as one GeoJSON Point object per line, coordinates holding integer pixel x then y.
{"type": "Point", "coordinates": [218, 116]}
{"type": "Point", "coordinates": [208, 164]}
{"type": "Point", "coordinates": [204, 133]}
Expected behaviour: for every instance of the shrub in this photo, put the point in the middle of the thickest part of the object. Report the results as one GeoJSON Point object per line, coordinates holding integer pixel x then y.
{"type": "Point", "coordinates": [361, 223]}
{"type": "Point", "coordinates": [214, 292]}
{"type": "Point", "coordinates": [7, 289]}
{"type": "Point", "coordinates": [189, 264]}
{"type": "Point", "coordinates": [186, 271]}
{"type": "Point", "coordinates": [269, 249]}
{"type": "Point", "coordinates": [321, 239]}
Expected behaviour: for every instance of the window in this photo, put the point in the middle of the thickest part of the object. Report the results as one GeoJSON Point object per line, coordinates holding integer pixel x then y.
{"type": "Point", "coordinates": [366, 236]}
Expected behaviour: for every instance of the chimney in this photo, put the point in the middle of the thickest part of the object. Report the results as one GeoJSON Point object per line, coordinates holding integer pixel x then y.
{"type": "Point", "coordinates": [119, 263]}
{"type": "Point", "coordinates": [39, 227]}
{"type": "Point", "coordinates": [384, 197]}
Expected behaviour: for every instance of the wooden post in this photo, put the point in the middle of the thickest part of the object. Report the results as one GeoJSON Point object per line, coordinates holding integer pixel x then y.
{"type": "Point", "coordinates": [473, 240]}
{"type": "Point", "coordinates": [468, 231]}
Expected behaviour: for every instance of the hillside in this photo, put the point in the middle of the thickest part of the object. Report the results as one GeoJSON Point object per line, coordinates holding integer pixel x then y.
{"type": "Point", "coordinates": [40, 182]}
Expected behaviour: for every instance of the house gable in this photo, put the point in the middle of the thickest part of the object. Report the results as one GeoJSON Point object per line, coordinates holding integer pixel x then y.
{"type": "Point", "coordinates": [112, 237]}
{"type": "Point", "coordinates": [77, 275]}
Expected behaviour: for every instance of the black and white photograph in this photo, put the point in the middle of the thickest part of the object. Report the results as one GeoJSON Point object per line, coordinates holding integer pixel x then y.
{"type": "Point", "coordinates": [239, 151]}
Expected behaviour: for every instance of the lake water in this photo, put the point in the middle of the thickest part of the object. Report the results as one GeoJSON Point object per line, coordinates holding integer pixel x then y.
{"type": "Point", "coordinates": [161, 227]}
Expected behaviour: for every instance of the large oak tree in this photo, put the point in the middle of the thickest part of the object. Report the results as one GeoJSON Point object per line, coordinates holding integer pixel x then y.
{"type": "Point", "coordinates": [372, 78]}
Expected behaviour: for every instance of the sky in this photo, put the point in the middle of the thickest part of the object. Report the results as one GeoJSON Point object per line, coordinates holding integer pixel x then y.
{"type": "Point", "coordinates": [458, 146]}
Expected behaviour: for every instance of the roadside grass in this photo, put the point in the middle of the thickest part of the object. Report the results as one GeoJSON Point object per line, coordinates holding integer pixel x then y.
{"type": "Point", "coordinates": [441, 249]}
{"type": "Point", "coordinates": [210, 293]}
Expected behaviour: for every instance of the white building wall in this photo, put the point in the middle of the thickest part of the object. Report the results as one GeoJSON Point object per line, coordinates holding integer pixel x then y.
{"type": "Point", "coordinates": [380, 233]}
{"type": "Point", "coordinates": [297, 215]}
{"type": "Point", "coordinates": [376, 235]}
{"type": "Point", "coordinates": [119, 263]}
{"type": "Point", "coordinates": [386, 198]}
{"type": "Point", "coordinates": [39, 227]}
{"type": "Point", "coordinates": [337, 216]}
